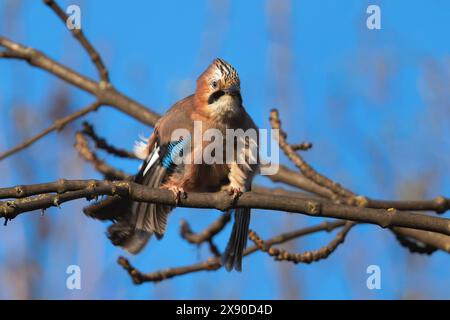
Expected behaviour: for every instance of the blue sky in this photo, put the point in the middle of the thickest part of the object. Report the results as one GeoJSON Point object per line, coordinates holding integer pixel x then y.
{"type": "Point", "coordinates": [375, 104]}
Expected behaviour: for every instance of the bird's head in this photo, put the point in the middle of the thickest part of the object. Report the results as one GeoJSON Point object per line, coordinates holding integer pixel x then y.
{"type": "Point", "coordinates": [218, 90]}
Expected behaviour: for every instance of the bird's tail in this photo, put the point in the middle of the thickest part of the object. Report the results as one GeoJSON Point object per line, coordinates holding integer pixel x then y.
{"type": "Point", "coordinates": [135, 222]}
{"type": "Point", "coordinates": [123, 231]}
{"type": "Point", "coordinates": [151, 217]}
{"type": "Point", "coordinates": [232, 257]}
{"type": "Point", "coordinates": [125, 235]}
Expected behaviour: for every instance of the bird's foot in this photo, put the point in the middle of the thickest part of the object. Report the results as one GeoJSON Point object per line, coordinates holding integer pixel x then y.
{"type": "Point", "coordinates": [178, 193]}
{"type": "Point", "coordinates": [235, 192]}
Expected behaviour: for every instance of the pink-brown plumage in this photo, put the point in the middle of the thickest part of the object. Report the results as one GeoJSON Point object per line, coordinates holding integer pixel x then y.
{"type": "Point", "coordinates": [216, 104]}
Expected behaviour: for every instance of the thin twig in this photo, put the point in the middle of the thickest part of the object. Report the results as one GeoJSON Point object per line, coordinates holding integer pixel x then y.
{"type": "Point", "coordinates": [341, 194]}
{"type": "Point", "coordinates": [303, 166]}
{"type": "Point", "coordinates": [109, 172]}
{"type": "Point", "coordinates": [213, 263]}
{"type": "Point", "coordinates": [214, 249]}
{"type": "Point", "coordinates": [208, 233]}
{"type": "Point", "coordinates": [79, 35]}
{"type": "Point", "coordinates": [296, 179]}
{"type": "Point", "coordinates": [107, 95]}
{"type": "Point", "coordinates": [101, 143]}
{"type": "Point", "coordinates": [304, 146]}
{"type": "Point", "coordinates": [56, 126]}
{"type": "Point", "coordinates": [305, 257]}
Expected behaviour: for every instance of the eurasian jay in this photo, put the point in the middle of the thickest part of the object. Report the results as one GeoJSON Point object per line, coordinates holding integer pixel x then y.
{"type": "Point", "coordinates": [216, 104]}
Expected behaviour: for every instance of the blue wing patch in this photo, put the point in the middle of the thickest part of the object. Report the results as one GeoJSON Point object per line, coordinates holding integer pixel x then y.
{"type": "Point", "coordinates": [174, 152]}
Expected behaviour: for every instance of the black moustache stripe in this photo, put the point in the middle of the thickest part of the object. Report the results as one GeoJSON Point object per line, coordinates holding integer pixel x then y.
{"type": "Point", "coordinates": [215, 96]}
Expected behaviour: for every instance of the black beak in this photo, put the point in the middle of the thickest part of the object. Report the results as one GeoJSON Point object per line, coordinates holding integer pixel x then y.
{"type": "Point", "coordinates": [231, 91]}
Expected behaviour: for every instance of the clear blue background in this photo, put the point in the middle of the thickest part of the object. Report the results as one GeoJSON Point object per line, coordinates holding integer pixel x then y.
{"type": "Point", "coordinates": [375, 104]}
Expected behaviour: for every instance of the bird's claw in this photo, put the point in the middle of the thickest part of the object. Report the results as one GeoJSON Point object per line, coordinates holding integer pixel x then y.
{"type": "Point", "coordinates": [178, 193]}
{"type": "Point", "coordinates": [235, 192]}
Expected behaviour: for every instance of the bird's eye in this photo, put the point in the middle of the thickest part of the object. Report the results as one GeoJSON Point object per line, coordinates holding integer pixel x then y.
{"type": "Point", "coordinates": [214, 84]}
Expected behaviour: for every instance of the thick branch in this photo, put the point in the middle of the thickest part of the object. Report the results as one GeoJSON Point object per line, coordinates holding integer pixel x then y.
{"type": "Point", "coordinates": [335, 191]}
{"type": "Point", "coordinates": [105, 94]}
{"type": "Point", "coordinates": [221, 201]}
{"type": "Point", "coordinates": [438, 204]}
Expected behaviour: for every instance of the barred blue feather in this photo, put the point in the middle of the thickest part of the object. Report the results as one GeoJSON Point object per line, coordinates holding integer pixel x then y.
{"type": "Point", "coordinates": [174, 152]}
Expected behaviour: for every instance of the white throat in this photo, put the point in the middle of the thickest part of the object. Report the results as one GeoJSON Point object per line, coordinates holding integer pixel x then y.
{"type": "Point", "coordinates": [225, 107]}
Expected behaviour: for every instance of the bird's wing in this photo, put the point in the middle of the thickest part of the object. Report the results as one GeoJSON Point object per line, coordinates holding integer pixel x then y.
{"type": "Point", "coordinates": [160, 164]}
{"type": "Point", "coordinates": [176, 118]}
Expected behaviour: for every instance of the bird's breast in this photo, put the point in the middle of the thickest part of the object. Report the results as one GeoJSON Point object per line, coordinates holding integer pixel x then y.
{"type": "Point", "coordinates": [224, 108]}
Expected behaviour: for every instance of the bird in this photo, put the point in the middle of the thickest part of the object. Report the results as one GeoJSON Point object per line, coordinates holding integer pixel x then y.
{"type": "Point", "coordinates": [216, 104]}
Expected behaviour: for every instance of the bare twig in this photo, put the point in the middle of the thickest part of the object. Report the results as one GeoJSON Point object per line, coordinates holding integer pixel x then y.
{"type": "Point", "coordinates": [213, 248]}
{"type": "Point", "coordinates": [340, 194]}
{"type": "Point", "coordinates": [412, 229]}
{"type": "Point", "coordinates": [208, 233]}
{"type": "Point", "coordinates": [109, 172]}
{"type": "Point", "coordinates": [8, 55]}
{"type": "Point", "coordinates": [305, 257]}
{"type": "Point", "coordinates": [296, 179]}
{"type": "Point", "coordinates": [213, 263]}
{"type": "Point", "coordinates": [439, 204]}
{"type": "Point", "coordinates": [105, 94]}
{"type": "Point", "coordinates": [101, 143]}
{"type": "Point", "coordinates": [304, 146]}
{"type": "Point", "coordinates": [78, 34]}
{"type": "Point", "coordinates": [56, 126]}
{"type": "Point", "coordinates": [138, 277]}
{"type": "Point", "coordinates": [304, 167]}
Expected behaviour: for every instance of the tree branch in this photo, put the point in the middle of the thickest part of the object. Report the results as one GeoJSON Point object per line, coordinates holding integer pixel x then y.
{"type": "Point", "coordinates": [341, 203]}
{"type": "Point", "coordinates": [305, 257]}
{"type": "Point", "coordinates": [109, 172]}
{"type": "Point", "coordinates": [439, 204]}
{"type": "Point", "coordinates": [56, 126]}
{"type": "Point", "coordinates": [107, 95]}
{"type": "Point", "coordinates": [213, 263]}
{"type": "Point", "coordinates": [303, 166]}
{"type": "Point", "coordinates": [101, 143]}
{"type": "Point", "coordinates": [78, 34]}
{"type": "Point", "coordinates": [208, 233]}
{"type": "Point", "coordinates": [220, 200]}
{"type": "Point", "coordinates": [304, 146]}
{"type": "Point", "coordinates": [430, 239]}
{"type": "Point", "coordinates": [295, 179]}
